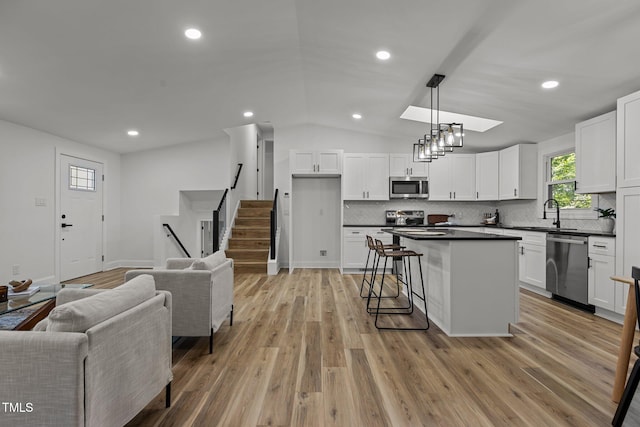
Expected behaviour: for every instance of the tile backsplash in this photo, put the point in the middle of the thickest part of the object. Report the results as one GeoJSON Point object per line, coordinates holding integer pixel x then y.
{"type": "Point", "coordinates": [372, 212]}
{"type": "Point", "coordinates": [512, 212]}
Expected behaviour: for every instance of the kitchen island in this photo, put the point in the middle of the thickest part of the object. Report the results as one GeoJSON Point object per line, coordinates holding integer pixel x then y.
{"type": "Point", "coordinates": [471, 279]}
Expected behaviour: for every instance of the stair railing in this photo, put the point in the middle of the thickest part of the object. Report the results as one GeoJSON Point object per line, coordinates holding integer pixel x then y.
{"type": "Point", "coordinates": [235, 181]}
{"type": "Point", "coordinates": [175, 237]}
{"type": "Point", "coordinates": [274, 225]}
{"type": "Point", "coordinates": [219, 221]}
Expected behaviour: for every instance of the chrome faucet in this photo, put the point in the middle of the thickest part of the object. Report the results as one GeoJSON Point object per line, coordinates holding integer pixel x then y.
{"type": "Point", "coordinates": [544, 211]}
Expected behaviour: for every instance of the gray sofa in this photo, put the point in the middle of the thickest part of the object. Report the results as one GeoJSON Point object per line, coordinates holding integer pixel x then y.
{"type": "Point", "coordinates": [98, 359]}
{"type": "Point", "coordinates": [202, 293]}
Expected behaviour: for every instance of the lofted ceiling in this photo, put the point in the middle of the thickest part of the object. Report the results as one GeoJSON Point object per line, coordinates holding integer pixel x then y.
{"type": "Point", "coordinates": [90, 70]}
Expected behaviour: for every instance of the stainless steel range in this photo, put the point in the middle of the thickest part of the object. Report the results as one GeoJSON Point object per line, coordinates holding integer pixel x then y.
{"type": "Point", "coordinates": [404, 217]}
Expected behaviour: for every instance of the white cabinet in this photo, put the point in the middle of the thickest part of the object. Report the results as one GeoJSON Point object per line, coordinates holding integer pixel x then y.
{"type": "Point", "coordinates": [355, 248]}
{"type": "Point", "coordinates": [518, 172]}
{"type": "Point", "coordinates": [627, 230]}
{"type": "Point", "coordinates": [596, 154]}
{"type": "Point", "coordinates": [627, 136]}
{"type": "Point", "coordinates": [487, 176]}
{"type": "Point", "coordinates": [403, 165]}
{"type": "Point", "coordinates": [453, 177]}
{"type": "Point", "coordinates": [309, 162]}
{"type": "Point", "coordinates": [365, 176]}
{"type": "Point", "coordinates": [533, 259]}
{"type": "Point", "coordinates": [601, 268]}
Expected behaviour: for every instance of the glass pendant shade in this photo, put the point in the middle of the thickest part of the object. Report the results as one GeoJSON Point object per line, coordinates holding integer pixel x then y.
{"type": "Point", "coordinates": [422, 151]}
{"type": "Point", "coordinates": [453, 133]}
{"type": "Point", "coordinates": [435, 146]}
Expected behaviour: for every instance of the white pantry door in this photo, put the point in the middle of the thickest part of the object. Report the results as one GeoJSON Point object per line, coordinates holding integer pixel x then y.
{"type": "Point", "coordinates": [80, 219]}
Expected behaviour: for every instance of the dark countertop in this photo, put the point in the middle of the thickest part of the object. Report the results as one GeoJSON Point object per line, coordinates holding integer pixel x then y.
{"type": "Point", "coordinates": [551, 230]}
{"type": "Point", "coordinates": [448, 234]}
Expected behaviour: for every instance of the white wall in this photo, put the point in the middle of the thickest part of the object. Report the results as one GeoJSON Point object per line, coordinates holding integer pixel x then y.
{"type": "Point", "coordinates": [151, 184]}
{"type": "Point", "coordinates": [28, 167]}
{"type": "Point", "coordinates": [316, 217]}
{"type": "Point", "coordinates": [243, 149]}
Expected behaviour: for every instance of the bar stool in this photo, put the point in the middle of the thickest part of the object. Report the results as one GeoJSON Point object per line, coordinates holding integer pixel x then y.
{"type": "Point", "coordinates": [406, 279]}
{"type": "Point", "coordinates": [634, 377]}
{"type": "Point", "coordinates": [372, 249]}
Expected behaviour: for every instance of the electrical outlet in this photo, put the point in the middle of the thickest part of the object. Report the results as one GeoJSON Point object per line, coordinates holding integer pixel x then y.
{"type": "Point", "coordinates": [323, 252]}
{"type": "Point", "coordinates": [15, 270]}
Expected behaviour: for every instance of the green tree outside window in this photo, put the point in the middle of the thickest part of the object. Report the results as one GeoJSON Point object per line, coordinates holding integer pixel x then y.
{"type": "Point", "coordinates": [562, 183]}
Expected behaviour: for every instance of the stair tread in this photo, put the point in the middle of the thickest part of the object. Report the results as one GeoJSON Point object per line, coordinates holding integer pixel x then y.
{"type": "Point", "coordinates": [240, 262]}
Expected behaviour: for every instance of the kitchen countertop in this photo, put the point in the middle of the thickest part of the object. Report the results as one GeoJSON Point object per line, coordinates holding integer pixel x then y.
{"type": "Point", "coordinates": [553, 230]}
{"type": "Point", "coordinates": [424, 233]}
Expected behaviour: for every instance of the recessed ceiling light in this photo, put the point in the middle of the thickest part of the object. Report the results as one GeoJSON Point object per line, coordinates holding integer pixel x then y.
{"type": "Point", "coordinates": [248, 113]}
{"type": "Point", "coordinates": [356, 116]}
{"type": "Point", "coordinates": [193, 33]}
{"type": "Point", "coordinates": [133, 132]}
{"type": "Point", "coordinates": [383, 55]}
{"type": "Point", "coordinates": [550, 84]}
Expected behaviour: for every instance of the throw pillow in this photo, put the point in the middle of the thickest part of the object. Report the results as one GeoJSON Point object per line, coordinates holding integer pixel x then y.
{"type": "Point", "coordinates": [214, 260]}
{"type": "Point", "coordinates": [210, 262]}
{"type": "Point", "coordinates": [82, 314]}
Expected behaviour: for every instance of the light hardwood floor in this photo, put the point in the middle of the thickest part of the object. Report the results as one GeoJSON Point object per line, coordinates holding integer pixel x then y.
{"type": "Point", "coordinates": [303, 352]}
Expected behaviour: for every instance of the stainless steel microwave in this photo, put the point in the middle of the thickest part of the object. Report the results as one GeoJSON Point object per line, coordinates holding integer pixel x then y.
{"type": "Point", "coordinates": [408, 187]}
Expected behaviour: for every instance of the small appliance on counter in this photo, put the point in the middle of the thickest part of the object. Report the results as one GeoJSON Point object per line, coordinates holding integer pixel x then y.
{"type": "Point", "coordinates": [491, 218]}
{"type": "Point", "coordinates": [433, 219]}
{"type": "Point", "coordinates": [404, 217]}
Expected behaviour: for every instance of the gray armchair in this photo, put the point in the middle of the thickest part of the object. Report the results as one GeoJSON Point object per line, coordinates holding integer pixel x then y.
{"type": "Point", "coordinates": [98, 359]}
{"type": "Point", "coordinates": [202, 297]}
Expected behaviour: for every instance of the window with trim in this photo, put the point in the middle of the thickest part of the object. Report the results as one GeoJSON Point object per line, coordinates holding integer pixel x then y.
{"type": "Point", "coordinates": [561, 181]}
{"type": "Point", "coordinates": [83, 179]}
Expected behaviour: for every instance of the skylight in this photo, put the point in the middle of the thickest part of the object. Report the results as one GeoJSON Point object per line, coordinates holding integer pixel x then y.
{"type": "Point", "coordinates": [478, 124]}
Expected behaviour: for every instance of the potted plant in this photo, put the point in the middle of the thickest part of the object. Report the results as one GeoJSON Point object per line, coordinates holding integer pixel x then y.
{"type": "Point", "coordinates": [608, 218]}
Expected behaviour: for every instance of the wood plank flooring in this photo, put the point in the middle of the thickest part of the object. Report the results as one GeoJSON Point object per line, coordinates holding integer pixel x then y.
{"type": "Point", "coordinates": [303, 352]}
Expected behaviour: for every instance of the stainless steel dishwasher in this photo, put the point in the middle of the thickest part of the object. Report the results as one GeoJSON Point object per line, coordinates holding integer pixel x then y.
{"type": "Point", "coordinates": [567, 268]}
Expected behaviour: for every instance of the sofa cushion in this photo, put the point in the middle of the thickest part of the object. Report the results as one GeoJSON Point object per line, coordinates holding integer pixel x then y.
{"type": "Point", "coordinates": [210, 262]}
{"type": "Point", "coordinates": [80, 315]}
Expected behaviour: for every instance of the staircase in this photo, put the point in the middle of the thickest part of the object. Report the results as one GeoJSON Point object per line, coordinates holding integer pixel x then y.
{"type": "Point", "coordinates": [249, 242]}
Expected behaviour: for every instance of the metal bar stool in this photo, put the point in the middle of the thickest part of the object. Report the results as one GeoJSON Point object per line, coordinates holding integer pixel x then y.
{"type": "Point", "coordinates": [369, 280]}
{"type": "Point", "coordinates": [405, 256]}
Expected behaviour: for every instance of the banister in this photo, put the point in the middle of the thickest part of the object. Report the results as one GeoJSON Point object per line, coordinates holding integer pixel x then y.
{"type": "Point", "coordinates": [175, 236]}
{"type": "Point", "coordinates": [235, 182]}
{"type": "Point", "coordinates": [274, 225]}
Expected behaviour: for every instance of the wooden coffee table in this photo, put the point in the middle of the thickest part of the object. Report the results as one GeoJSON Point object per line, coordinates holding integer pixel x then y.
{"type": "Point", "coordinates": [43, 302]}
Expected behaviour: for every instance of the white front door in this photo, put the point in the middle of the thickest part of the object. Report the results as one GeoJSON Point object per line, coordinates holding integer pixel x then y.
{"type": "Point", "coordinates": [80, 218]}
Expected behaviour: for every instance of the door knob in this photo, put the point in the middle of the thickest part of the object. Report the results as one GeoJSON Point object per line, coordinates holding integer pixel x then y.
{"type": "Point", "coordinates": [66, 225]}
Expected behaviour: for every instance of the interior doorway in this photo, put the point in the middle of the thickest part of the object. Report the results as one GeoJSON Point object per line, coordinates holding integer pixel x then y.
{"type": "Point", "coordinates": [80, 217]}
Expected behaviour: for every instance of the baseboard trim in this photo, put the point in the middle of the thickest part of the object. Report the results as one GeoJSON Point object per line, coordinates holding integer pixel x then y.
{"type": "Point", "coordinates": [129, 264]}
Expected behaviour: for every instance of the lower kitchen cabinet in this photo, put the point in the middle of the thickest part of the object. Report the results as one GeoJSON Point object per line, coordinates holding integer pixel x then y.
{"type": "Point", "coordinates": [355, 248]}
{"type": "Point", "coordinates": [602, 262]}
{"type": "Point", "coordinates": [533, 259]}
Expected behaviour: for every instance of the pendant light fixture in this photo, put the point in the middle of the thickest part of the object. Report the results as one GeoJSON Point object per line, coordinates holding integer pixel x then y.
{"type": "Point", "coordinates": [442, 137]}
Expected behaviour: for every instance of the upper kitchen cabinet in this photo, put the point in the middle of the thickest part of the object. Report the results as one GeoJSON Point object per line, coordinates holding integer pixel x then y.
{"type": "Point", "coordinates": [628, 135]}
{"type": "Point", "coordinates": [596, 154]}
{"type": "Point", "coordinates": [487, 177]}
{"type": "Point", "coordinates": [403, 165]}
{"type": "Point", "coordinates": [366, 176]}
{"type": "Point", "coordinates": [321, 163]}
{"type": "Point", "coordinates": [518, 172]}
{"type": "Point", "coordinates": [453, 177]}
